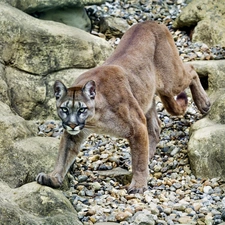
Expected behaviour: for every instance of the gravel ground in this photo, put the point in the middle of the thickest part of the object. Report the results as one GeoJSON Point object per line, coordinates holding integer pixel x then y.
{"type": "Point", "coordinates": [103, 167]}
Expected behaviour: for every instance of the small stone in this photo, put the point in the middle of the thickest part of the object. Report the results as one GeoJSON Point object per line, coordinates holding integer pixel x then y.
{"type": "Point", "coordinates": [185, 220]}
{"type": "Point", "coordinates": [82, 178]}
{"type": "Point", "coordinates": [96, 186]}
{"type": "Point", "coordinates": [207, 189]}
{"type": "Point", "coordinates": [158, 175]}
{"type": "Point", "coordinates": [121, 216]}
{"type": "Point", "coordinates": [174, 151]}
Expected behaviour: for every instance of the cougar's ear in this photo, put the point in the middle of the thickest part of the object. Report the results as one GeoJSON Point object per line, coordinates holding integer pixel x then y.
{"type": "Point", "coordinates": [59, 89]}
{"type": "Point", "coordinates": [89, 89]}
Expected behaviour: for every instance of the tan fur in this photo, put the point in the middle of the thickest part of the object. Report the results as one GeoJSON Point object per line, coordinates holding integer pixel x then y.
{"type": "Point", "coordinates": [145, 63]}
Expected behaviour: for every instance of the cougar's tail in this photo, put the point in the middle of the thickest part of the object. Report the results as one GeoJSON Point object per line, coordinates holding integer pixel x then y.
{"type": "Point", "coordinates": [175, 107]}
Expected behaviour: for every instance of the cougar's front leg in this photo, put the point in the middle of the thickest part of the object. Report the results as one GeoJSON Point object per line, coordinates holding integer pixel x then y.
{"type": "Point", "coordinates": [68, 149]}
{"type": "Point", "coordinates": [139, 153]}
{"type": "Point", "coordinates": [198, 93]}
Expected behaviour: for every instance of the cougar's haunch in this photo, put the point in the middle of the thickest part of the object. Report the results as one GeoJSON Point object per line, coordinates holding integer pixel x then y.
{"type": "Point", "coordinates": [117, 98]}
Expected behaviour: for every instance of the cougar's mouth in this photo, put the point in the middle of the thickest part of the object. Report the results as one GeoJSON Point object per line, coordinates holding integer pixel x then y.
{"type": "Point", "coordinates": [73, 130]}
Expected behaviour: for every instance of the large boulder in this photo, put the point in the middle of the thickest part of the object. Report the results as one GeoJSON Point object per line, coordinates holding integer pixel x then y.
{"type": "Point", "coordinates": [212, 72]}
{"type": "Point", "coordinates": [41, 47]}
{"type": "Point", "coordinates": [38, 104]}
{"type": "Point", "coordinates": [69, 12]}
{"type": "Point", "coordinates": [31, 6]}
{"type": "Point", "coordinates": [35, 204]}
{"type": "Point", "coordinates": [23, 155]}
{"type": "Point", "coordinates": [207, 17]}
{"type": "Point", "coordinates": [206, 148]}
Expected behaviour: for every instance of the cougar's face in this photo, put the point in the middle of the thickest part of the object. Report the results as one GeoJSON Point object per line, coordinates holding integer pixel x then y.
{"type": "Point", "coordinates": [75, 105]}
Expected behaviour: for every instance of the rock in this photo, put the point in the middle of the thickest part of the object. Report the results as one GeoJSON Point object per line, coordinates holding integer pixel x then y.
{"type": "Point", "coordinates": [26, 158]}
{"type": "Point", "coordinates": [211, 73]}
{"type": "Point", "coordinates": [26, 101]}
{"type": "Point", "coordinates": [35, 204]}
{"type": "Point", "coordinates": [143, 218]}
{"type": "Point", "coordinates": [206, 145]}
{"type": "Point", "coordinates": [41, 47]}
{"type": "Point", "coordinates": [217, 112]}
{"type": "Point", "coordinates": [113, 27]}
{"type": "Point", "coordinates": [31, 6]}
{"type": "Point", "coordinates": [121, 216]}
{"type": "Point", "coordinates": [74, 16]}
{"type": "Point", "coordinates": [29, 104]}
{"type": "Point", "coordinates": [23, 155]}
{"type": "Point", "coordinates": [4, 95]}
{"type": "Point", "coordinates": [206, 149]}
{"type": "Point", "coordinates": [106, 223]}
{"type": "Point", "coordinates": [186, 220]}
{"type": "Point", "coordinates": [123, 176]}
{"type": "Point", "coordinates": [69, 12]}
{"type": "Point", "coordinates": [199, 14]}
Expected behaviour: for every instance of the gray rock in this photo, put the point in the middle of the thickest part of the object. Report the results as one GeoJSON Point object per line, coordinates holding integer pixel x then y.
{"type": "Point", "coordinates": [106, 223]}
{"type": "Point", "coordinates": [143, 218]}
{"type": "Point", "coordinates": [31, 6]}
{"type": "Point", "coordinates": [40, 47]}
{"type": "Point", "coordinates": [23, 156]}
{"type": "Point", "coordinates": [69, 12]}
{"type": "Point", "coordinates": [74, 16]}
{"type": "Point", "coordinates": [35, 204]}
{"type": "Point", "coordinates": [213, 72]}
{"type": "Point", "coordinates": [206, 145]}
{"type": "Point", "coordinates": [113, 27]}
{"type": "Point", "coordinates": [206, 149]}
{"type": "Point", "coordinates": [28, 103]}
{"type": "Point", "coordinates": [122, 175]}
{"type": "Point", "coordinates": [217, 112]}
{"type": "Point", "coordinates": [209, 28]}
{"type": "Point", "coordinates": [4, 96]}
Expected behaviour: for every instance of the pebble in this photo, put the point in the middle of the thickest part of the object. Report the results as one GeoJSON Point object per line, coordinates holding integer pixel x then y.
{"type": "Point", "coordinates": [175, 195]}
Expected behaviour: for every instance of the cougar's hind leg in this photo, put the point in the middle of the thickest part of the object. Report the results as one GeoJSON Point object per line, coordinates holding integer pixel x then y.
{"type": "Point", "coordinates": [153, 126]}
{"type": "Point", "coordinates": [175, 107]}
{"type": "Point", "coordinates": [198, 93]}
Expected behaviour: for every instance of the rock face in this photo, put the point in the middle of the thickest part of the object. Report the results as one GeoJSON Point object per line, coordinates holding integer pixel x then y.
{"type": "Point", "coordinates": [31, 6]}
{"type": "Point", "coordinates": [43, 46]}
{"type": "Point", "coordinates": [35, 204]}
{"type": "Point", "coordinates": [204, 16]}
{"type": "Point", "coordinates": [69, 12]}
{"type": "Point", "coordinates": [207, 146]}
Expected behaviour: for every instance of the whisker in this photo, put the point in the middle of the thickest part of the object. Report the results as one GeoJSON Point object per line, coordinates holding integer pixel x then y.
{"type": "Point", "coordinates": [89, 126]}
{"type": "Point", "coordinates": [87, 131]}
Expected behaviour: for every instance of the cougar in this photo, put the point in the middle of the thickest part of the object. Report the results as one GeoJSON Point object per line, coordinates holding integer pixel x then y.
{"type": "Point", "coordinates": [117, 98]}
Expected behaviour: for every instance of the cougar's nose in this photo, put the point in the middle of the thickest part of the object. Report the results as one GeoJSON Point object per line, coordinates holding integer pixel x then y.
{"type": "Point", "coordinates": [72, 125]}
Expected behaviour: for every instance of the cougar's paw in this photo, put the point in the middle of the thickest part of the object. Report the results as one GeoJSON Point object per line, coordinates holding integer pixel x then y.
{"type": "Point", "coordinates": [48, 180]}
{"type": "Point", "coordinates": [205, 107]}
{"type": "Point", "coordinates": [136, 188]}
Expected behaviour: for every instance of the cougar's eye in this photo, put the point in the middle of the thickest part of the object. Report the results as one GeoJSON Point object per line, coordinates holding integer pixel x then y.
{"type": "Point", "coordinates": [64, 109]}
{"type": "Point", "coordinates": [82, 110]}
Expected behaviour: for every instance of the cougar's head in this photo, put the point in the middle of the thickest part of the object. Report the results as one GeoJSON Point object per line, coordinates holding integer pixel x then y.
{"type": "Point", "coordinates": [75, 105]}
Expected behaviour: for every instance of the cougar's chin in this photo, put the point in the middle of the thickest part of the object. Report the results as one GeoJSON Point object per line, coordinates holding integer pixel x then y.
{"type": "Point", "coordinates": [74, 131]}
